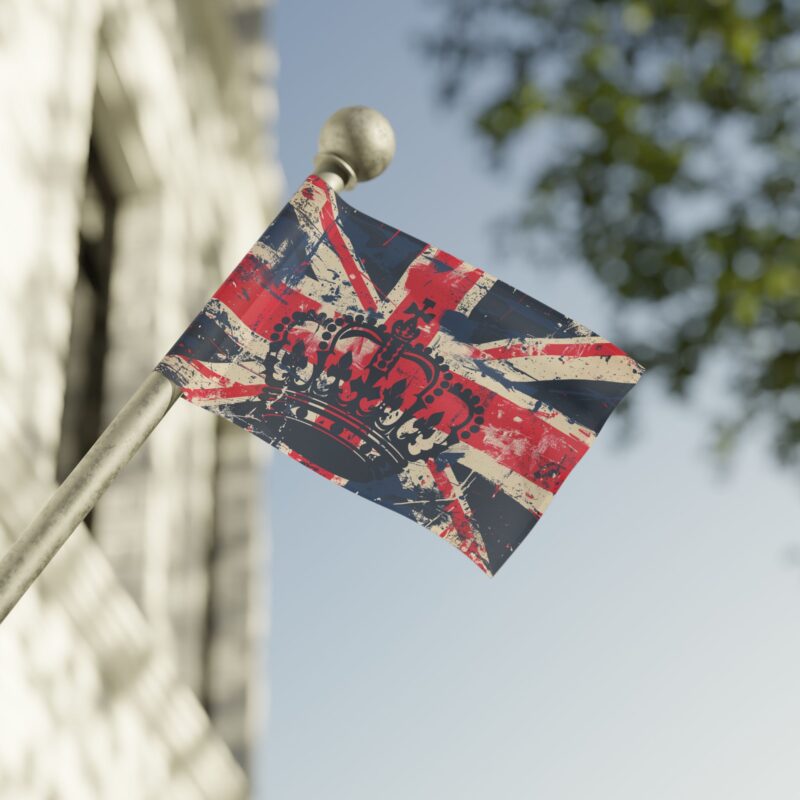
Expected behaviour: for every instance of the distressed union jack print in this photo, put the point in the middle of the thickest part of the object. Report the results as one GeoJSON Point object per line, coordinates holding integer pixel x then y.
{"type": "Point", "coordinates": [402, 373]}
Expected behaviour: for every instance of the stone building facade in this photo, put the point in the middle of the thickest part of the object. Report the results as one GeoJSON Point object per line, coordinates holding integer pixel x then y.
{"type": "Point", "coordinates": [135, 170]}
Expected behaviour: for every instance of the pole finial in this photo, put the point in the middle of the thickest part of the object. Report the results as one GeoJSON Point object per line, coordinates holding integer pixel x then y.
{"type": "Point", "coordinates": [356, 144]}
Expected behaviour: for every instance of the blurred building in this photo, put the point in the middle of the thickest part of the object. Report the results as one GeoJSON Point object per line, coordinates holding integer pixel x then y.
{"type": "Point", "coordinates": [135, 169]}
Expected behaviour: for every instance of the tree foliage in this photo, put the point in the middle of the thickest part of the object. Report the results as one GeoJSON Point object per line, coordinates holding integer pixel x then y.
{"type": "Point", "coordinates": [676, 175]}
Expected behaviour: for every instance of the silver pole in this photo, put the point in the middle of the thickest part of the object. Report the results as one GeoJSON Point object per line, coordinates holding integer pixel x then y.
{"type": "Point", "coordinates": [82, 488]}
{"type": "Point", "coordinates": [356, 144]}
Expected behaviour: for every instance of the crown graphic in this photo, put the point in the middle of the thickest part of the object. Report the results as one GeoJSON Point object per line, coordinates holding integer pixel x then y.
{"type": "Point", "coordinates": [359, 398]}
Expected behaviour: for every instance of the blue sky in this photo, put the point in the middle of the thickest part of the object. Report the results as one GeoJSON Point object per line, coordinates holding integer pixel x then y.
{"type": "Point", "coordinates": [642, 642]}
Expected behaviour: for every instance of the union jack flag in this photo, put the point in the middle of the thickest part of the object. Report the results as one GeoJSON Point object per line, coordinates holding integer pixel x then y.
{"type": "Point", "coordinates": [402, 373]}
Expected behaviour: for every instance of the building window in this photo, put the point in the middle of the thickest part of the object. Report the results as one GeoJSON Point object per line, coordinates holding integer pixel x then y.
{"type": "Point", "coordinates": [83, 398]}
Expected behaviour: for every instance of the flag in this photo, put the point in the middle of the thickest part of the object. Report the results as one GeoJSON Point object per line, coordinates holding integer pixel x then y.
{"type": "Point", "coordinates": [401, 373]}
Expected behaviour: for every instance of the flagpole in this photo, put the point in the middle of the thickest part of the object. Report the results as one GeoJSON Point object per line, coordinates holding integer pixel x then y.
{"type": "Point", "coordinates": [356, 144]}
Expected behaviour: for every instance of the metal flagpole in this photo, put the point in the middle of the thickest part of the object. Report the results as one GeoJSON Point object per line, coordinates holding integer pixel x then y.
{"type": "Point", "coordinates": [356, 144]}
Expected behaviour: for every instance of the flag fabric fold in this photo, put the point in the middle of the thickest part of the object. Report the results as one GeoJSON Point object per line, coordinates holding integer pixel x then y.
{"type": "Point", "coordinates": [402, 373]}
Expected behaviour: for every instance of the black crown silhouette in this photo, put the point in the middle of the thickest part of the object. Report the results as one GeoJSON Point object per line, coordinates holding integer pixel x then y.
{"type": "Point", "coordinates": [359, 399]}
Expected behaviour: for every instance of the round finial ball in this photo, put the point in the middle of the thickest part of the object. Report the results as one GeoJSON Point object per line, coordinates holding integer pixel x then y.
{"type": "Point", "coordinates": [362, 137]}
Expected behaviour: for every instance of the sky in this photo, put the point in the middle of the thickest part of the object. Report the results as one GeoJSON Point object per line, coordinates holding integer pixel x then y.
{"type": "Point", "coordinates": [642, 642]}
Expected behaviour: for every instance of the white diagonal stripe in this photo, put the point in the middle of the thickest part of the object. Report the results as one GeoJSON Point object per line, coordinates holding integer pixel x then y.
{"type": "Point", "coordinates": [618, 369]}
{"type": "Point", "coordinates": [523, 491]}
{"type": "Point", "coordinates": [475, 294]}
{"type": "Point", "coordinates": [255, 346]}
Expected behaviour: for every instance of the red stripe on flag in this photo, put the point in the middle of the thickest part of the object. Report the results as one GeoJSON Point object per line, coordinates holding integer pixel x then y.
{"type": "Point", "coordinates": [461, 524]}
{"type": "Point", "coordinates": [311, 465]}
{"type": "Point", "coordinates": [523, 442]}
{"type": "Point", "coordinates": [448, 259]}
{"type": "Point", "coordinates": [207, 372]}
{"type": "Point", "coordinates": [259, 307]}
{"type": "Point", "coordinates": [236, 391]}
{"type": "Point", "coordinates": [352, 269]}
{"type": "Point", "coordinates": [515, 437]}
{"type": "Point", "coordinates": [555, 348]}
{"type": "Point", "coordinates": [224, 389]}
{"type": "Point", "coordinates": [444, 280]}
